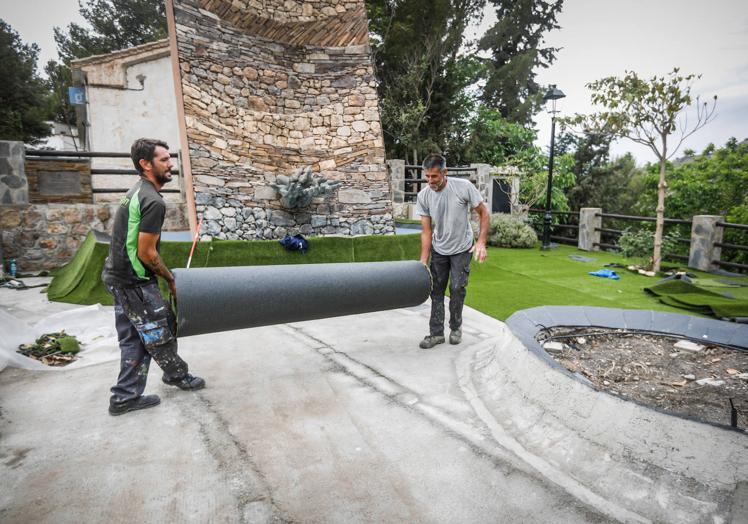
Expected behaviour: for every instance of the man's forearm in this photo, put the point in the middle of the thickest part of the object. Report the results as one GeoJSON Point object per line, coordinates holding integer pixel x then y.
{"type": "Point", "coordinates": [153, 262]}
{"type": "Point", "coordinates": [484, 226]}
{"type": "Point", "coordinates": [425, 246]}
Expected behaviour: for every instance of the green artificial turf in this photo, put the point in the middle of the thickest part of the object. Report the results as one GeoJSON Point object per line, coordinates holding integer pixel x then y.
{"type": "Point", "coordinates": [79, 281]}
{"type": "Point", "coordinates": [690, 296]}
{"type": "Point", "coordinates": [510, 280]}
{"type": "Point", "coordinates": [514, 279]}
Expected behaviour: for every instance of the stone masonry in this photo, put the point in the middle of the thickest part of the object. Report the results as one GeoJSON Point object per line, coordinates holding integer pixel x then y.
{"type": "Point", "coordinates": [46, 236]}
{"type": "Point", "coordinates": [14, 188]}
{"type": "Point", "coordinates": [272, 86]}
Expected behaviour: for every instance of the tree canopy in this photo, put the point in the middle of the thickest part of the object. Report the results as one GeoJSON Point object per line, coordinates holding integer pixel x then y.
{"type": "Point", "coordinates": [115, 25]}
{"type": "Point", "coordinates": [433, 82]}
{"type": "Point", "coordinates": [515, 46]}
{"type": "Point", "coordinates": [23, 102]}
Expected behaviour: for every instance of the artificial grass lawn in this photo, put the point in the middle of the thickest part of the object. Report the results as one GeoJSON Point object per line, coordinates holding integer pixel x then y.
{"type": "Point", "coordinates": [510, 280]}
{"type": "Point", "coordinates": [515, 279]}
{"type": "Point", "coordinates": [79, 281]}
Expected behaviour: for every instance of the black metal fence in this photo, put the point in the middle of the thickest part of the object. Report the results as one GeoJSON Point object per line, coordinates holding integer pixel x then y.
{"type": "Point", "coordinates": [50, 154]}
{"type": "Point", "coordinates": [414, 179]}
{"type": "Point", "coordinates": [565, 230]}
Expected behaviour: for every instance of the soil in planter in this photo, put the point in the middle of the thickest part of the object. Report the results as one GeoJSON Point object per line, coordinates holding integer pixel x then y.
{"type": "Point", "coordinates": [651, 370]}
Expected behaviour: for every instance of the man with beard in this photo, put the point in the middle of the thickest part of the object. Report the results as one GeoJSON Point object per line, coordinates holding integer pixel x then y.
{"type": "Point", "coordinates": [146, 324]}
{"type": "Point", "coordinates": [447, 239]}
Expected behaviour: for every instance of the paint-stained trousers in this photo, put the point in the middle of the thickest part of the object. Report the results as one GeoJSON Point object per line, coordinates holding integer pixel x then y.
{"type": "Point", "coordinates": [146, 328]}
{"type": "Point", "coordinates": [454, 269]}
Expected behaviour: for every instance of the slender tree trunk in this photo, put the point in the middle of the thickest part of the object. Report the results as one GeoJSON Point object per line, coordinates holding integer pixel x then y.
{"type": "Point", "coordinates": [660, 222]}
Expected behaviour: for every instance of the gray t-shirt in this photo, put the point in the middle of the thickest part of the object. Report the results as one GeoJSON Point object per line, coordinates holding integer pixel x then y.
{"type": "Point", "coordinates": [449, 210]}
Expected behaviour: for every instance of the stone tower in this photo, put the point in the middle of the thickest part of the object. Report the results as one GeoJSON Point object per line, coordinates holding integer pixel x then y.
{"type": "Point", "coordinates": [270, 86]}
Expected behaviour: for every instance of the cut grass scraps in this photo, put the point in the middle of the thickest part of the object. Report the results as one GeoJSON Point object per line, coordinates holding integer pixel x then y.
{"type": "Point", "coordinates": [52, 349]}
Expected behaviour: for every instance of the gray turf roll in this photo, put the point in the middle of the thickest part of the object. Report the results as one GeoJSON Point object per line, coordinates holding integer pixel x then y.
{"type": "Point", "coordinates": [225, 298]}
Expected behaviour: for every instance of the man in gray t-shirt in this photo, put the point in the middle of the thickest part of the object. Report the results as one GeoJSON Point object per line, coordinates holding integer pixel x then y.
{"type": "Point", "coordinates": [444, 206]}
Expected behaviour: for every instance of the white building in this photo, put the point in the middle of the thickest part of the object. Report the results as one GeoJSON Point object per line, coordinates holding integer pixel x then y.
{"type": "Point", "coordinates": [129, 95]}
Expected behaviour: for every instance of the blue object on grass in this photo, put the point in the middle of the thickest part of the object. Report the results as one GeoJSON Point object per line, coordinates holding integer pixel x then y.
{"type": "Point", "coordinates": [605, 273]}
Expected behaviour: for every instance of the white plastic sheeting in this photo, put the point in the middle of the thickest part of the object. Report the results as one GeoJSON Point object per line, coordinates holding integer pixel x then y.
{"type": "Point", "coordinates": [93, 326]}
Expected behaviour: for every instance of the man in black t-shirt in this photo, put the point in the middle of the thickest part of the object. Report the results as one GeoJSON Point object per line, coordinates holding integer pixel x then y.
{"type": "Point", "coordinates": [146, 324]}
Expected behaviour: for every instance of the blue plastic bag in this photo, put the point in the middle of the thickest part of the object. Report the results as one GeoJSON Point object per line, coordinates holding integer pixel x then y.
{"type": "Point", "coordinates": [605, 273]}
{"type": "Point", "coordinates": [295, 243]}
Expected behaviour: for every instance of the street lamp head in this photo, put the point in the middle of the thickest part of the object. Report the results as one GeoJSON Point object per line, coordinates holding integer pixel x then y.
{"type": "Point", "coordinates": [553, 93]}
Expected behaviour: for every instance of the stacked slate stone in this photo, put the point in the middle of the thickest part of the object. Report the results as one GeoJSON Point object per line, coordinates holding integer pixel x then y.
{"type": "Point", "coordinates": [273, 87]}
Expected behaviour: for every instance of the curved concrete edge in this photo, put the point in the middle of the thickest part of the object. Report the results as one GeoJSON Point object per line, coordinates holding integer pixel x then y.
{"type": "Point", "coordinates": [525, 325]}
{"type": "Point", "coordinates": [656, 465]}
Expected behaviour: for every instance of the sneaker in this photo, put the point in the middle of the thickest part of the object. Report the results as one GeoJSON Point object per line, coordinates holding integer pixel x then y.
{"type": "Point", "coordinates": [187, 382]}
{"type": "Point", "coordinates": [455, 336]}
{"type": "Point", "coordinates": [142, 402]}
{"type": "Point", "coordinates": [430, 341]}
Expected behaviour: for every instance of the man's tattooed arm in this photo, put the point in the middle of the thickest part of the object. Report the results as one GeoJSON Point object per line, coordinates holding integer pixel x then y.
{"type": "Point", "coordinates": [155, 264]}
{"type": "Point", "coordinates": [148, 255]}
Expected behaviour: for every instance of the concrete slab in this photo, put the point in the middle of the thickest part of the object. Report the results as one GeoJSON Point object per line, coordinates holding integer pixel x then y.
{"type": "Point", "coordinates": [347, 420]}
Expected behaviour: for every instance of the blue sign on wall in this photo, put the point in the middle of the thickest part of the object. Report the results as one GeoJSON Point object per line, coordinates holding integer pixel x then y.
{"type": "Point", "coordinates": [77, 95]}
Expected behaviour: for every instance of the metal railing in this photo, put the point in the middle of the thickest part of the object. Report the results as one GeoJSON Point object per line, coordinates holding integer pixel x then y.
{"type": "Point", "coordinates": [612, 234]}
{"type": "Point", "coordinates": [50, 154]}
{"type": "Point", "coordinates": [414, 180]}
{"type": "Point", "coordinates": [731, 246]}
{"type": "Point", "coordinates": [564, 223]}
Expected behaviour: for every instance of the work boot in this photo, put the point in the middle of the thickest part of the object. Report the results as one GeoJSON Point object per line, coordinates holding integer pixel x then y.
{"type": "Point", "coordinates": [455, 336]}
{"type": "Point", "coordinates": [430, 341]}
{"type": "Point", "coordinates": [142, 402]}
{"type": "Point", "coordinates": [187, 382]}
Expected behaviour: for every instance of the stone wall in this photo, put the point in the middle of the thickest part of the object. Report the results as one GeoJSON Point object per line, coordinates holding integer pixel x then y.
{"type": "Point", "coordinates": [43, 236]}
{"type": "Point", "coordinates": [14, 188]}
{"type": "Point", "coordinates": [272, 86]}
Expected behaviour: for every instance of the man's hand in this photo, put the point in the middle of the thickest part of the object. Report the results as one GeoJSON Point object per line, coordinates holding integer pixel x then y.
{"type": "Point", "coordinates": [173, 287]}
{"type": "Point", "coordinates": [479, 251]}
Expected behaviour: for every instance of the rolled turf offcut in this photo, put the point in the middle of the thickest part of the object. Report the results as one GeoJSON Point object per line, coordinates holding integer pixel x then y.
{"type": "Point", "coordinates": [210, 300]}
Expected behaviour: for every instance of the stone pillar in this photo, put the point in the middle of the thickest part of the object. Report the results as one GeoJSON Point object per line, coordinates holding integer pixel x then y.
{"type": "Point", "coordinates": [514, 197]}
{"type": "Point", "coordinates": [14, 188]}
{"type": "Point", "coordinates": [589, 222]}
{"type": "Point", "coordinates": [483, 182]}
{"type": "Point", "coordinates": [397, 180]}
{"type": "Point", "coordinates": [704, 234]}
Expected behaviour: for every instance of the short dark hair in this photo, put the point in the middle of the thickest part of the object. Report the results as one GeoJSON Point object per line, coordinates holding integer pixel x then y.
{"type": "Point", "coordinates": [434, 160]}
{"type": "Point", "coordinates": [144, 149]}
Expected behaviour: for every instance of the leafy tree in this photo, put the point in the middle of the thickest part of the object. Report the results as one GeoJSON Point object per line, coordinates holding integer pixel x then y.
{"type": "Point", "coordinates": [647, 112]}
{"type": "Point", "coordinates": [496, 141]}
{"type": "Point", "coordinates": [516, 52]}
{"type": "Point", "coordinates": [22, 92]}
{"type": "Point", "coordinates": [58, 80]}
{"type": "Point", "coordinates": [422, 76]}
{"type": "Point", "coordinates": [115, 25]}
{"type": "Point", "coordinates": [711, 183]}
{"type": "Point", "coordinates": [600, 182]}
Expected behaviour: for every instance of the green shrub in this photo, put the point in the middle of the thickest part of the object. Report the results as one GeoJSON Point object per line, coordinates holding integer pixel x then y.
{"type": "Point", "coordinates": [640, 243]}
{"type": "Point", "coordinates": [509, 231]}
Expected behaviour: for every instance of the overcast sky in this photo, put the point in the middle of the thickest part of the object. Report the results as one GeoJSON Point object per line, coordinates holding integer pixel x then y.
{"type": "Point", "coordinates": [598, 38]}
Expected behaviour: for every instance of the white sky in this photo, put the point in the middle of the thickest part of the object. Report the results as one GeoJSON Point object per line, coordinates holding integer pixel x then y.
{"type": "Point", "coordinates": [598, 37]}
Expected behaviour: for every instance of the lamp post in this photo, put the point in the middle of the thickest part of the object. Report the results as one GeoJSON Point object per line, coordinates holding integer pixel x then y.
{"type": "Point", "coordinates": [553, 94]}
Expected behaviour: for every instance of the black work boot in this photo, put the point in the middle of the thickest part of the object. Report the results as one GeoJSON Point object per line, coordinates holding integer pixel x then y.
{"type": "Point", "coordinates": [430, 341]}
{"type": "Point", "coordinates": [187, 382]}
{"type": "Point", "coordinates": [142, 402]}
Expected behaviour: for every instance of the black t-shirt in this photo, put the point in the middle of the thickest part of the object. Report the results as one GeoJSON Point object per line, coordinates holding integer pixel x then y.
{"type": "Point", "coordinates": [142, 209]}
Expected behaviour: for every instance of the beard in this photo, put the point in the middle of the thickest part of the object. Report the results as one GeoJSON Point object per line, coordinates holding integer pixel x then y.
{"type": "Point", "coordinates": [163, 178]}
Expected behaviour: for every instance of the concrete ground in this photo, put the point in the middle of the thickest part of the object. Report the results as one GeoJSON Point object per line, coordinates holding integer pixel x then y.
{"type": "Point", "coordinates": [338, 420]}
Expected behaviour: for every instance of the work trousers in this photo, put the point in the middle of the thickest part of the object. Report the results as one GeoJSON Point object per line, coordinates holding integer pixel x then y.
{"type": "Point", "coordinates": [454, 269]}
{"type": "Point", "coordinates": [146, 328]}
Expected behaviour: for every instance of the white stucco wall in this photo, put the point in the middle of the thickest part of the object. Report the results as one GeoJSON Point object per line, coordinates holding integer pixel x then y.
{"type": "Point", "coordinates": [117, 117]}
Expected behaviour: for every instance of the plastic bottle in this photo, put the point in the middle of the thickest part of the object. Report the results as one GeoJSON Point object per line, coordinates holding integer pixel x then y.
{"type": "Point", "coordinates": [12, 267]}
